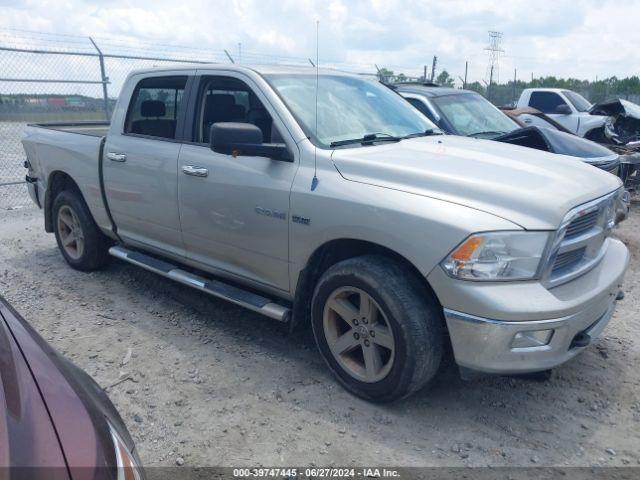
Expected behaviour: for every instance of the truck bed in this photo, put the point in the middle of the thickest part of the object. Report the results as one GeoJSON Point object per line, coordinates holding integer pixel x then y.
{"type": "Point", "coordinates": [95, 129]}
{"type": "Point", "coordinates": [70, 148]}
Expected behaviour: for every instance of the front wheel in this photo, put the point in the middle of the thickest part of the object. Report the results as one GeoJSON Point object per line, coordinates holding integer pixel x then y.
{"type": "Point", "coordinates": [379, 332]}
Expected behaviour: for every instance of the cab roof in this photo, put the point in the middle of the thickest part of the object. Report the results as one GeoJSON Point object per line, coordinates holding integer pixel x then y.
{"type": "Point", "coordinates": [261, 69]}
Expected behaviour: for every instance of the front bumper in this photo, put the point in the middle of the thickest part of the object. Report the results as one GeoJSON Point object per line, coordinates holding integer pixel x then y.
{"type": "Point", "coordinates": [484, 319]}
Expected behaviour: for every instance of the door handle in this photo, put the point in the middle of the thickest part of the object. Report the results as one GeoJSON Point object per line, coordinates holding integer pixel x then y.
{"type": "Point", "coordinates": [116, 157]}
{"type": "Point", "coordinates": [527, 121]}
{"type": "Point", "coordinates": [195, 171]}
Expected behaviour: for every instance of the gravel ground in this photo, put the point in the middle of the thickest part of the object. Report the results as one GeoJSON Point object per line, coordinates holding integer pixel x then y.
{"type": "Point", "coordinates": [204, 382]}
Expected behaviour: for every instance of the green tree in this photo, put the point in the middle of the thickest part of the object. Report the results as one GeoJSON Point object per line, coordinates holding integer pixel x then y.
{"type": "Point", "coordinates": [445, 79]}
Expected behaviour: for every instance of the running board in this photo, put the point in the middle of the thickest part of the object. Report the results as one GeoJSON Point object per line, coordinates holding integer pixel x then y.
{"type": "Point", "coordinates": [231, 293]}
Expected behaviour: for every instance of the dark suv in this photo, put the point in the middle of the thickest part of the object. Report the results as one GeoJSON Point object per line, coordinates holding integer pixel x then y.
{"type": "Point", "coordinates": [467, 113]}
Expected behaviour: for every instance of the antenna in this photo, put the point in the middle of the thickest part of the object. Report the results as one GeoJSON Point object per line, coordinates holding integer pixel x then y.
{"type": "Point", "coordinates": [314, 181]}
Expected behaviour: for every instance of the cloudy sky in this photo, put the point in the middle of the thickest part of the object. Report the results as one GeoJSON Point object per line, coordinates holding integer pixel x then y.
{"type": "Point", "coordinates": [583, 39]}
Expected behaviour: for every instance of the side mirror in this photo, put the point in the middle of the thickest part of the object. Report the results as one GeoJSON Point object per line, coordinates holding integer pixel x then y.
{"type": "Point", "coordinates": [244, 139]}
{"type": "Point", "coordinates": [563, 109]}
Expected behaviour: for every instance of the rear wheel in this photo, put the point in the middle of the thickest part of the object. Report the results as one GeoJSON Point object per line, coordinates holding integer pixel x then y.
{"type": "Point", "coordinates": [80, 241]}
{"type": "Point", "coordinates": [378, 331]}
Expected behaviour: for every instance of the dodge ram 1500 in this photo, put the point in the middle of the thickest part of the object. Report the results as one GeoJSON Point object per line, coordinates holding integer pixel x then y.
{"type": "Point", "coordinates": [325, 200]}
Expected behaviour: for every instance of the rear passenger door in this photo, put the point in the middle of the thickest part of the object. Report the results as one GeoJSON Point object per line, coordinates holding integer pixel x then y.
{"type": "Point", "coordinates": [234, 211]}
{"type": "Point", "coordinates": [140, 163]}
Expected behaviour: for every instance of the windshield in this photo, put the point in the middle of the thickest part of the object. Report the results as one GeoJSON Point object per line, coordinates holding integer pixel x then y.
{"type": "Point", "coordinates": [578, 101]}
{"type": "Point", "coordinates": [348, 108]}
{"type": "Point", "coordinates": [471, 115]}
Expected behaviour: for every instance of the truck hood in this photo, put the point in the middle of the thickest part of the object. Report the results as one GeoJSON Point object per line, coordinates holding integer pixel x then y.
{"type": "Point", "coordinates": [531, 188]}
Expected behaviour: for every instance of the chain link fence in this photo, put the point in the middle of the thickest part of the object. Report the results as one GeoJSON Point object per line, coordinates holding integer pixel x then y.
{"type": "Point", "coordinates": [64, 78]}
{"type": "Point", "coordinates": [72, 81]}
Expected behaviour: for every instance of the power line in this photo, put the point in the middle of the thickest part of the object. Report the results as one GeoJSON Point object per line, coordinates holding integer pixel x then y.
{"type": "Point", "coordinates": [494, 49]}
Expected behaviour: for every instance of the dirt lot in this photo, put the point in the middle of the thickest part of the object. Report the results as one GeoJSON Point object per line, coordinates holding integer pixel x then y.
{"type": "Point", "coordinates": [212, 384]}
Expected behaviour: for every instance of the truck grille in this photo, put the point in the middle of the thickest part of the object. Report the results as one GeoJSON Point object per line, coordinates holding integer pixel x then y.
{"type": "Point", "coordinates": [580, 242]}
{"type": "Point", "coordinates": [568, 259]}
{"type": "Point", "coordinates": [582, 224]}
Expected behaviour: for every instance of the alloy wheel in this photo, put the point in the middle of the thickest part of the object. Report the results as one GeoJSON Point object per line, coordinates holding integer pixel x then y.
{"type": "Point", "coordinates": [358, 334]}
{"type": "Point", "coordinates": [70, 232]}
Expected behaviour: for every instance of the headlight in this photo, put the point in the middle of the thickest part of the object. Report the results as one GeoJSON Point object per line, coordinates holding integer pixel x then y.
{"type": "Point", "coordinates": [128, 468]}
{"type": "Point", "coordinates": [495, 256]}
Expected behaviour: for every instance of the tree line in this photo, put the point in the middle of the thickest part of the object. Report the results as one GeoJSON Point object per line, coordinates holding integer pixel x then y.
{"type": "Point", "coordinates": [506, 93]}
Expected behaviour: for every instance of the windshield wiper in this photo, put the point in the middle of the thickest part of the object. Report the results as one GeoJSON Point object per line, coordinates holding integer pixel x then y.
{"type": "Point", "coordinates": [366, 139]}
{"type": "Point", "coordinates": [488, 132]}
{"type": "Point", "coordinates": [426, 133]}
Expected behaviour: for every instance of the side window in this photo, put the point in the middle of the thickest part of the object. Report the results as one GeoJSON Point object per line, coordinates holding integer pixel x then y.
{"type": "Point", "coordinates": [546, 102]}
{"type": "Point", "coordinates": [154, 106]}
{"type": "Point", "coordinates": [226, 99]}
{"type": "Point", "coordinates": [422, 108]}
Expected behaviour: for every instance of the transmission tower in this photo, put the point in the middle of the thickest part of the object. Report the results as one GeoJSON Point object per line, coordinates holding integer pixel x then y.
{"type": "Point", "coordinates": [494, 50]}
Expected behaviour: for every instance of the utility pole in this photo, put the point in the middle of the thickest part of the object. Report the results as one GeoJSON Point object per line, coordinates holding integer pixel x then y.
{"type": "Point", "coordinates": [515, 79]}
{"type": "Point", "coordinates": [433, 67]}
{"type": "Point", "coordinates": [490, 82]}
{"type": "Point", "coordinates": [239, 52]}
{"type": "Point", "coordinates": [494, 49]}
{"type": "Point", "coordinates": [466, 69]}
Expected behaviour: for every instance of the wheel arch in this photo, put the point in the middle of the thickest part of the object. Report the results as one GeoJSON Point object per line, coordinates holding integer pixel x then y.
{"type": "Point", "coordinates": [337, 250]}
{"type": "Point", "coordinates": [57, 182]}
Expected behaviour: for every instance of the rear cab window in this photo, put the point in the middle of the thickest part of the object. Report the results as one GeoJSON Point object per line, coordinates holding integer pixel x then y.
{"type": "Point", "coordinates": [546, 102]}
{"type": "Point", "coordinates": [155, 103]}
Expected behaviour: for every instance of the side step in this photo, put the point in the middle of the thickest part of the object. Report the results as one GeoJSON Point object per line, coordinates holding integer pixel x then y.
{"type": "Point", "coordinates": [231, 293]}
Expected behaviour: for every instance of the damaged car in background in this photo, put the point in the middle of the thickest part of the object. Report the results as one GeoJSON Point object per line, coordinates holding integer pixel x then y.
{"type": "Point", "coordinates": [624, 125]}
{"type": "Point", "coordinates": [614, 121]}
{"type": "Point", "coordinates": [467, 113]}
{"type": "Point", "coordinates": [629, 153]}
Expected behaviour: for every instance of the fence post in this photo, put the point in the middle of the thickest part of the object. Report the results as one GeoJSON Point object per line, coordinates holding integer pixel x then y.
{"type": "Point", "coordinates": [105, 80]}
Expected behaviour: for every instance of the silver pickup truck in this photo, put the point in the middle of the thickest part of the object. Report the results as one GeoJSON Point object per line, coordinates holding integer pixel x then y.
{"type": "Point", "coordinates": [325, 200]}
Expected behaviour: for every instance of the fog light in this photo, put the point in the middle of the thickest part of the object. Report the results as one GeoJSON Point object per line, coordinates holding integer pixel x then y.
{"type": "Point", "coordinates": [533, 338]}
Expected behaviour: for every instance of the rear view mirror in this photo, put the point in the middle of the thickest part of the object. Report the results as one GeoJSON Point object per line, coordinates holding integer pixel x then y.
{"type": "Point", "coordinates": [563, 109]}
{"type": "Point", "coordinates": [245, 139]}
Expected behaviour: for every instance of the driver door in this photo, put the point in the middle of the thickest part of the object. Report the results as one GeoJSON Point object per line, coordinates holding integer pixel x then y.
{"type": "Point", "coordinates": [234, 211]}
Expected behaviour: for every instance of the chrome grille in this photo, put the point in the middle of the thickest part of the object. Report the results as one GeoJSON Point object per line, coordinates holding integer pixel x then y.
{"type": "Point", "coordinates": [580, 241]}
{"type": "Point", "coordinates": [568, 259]}
{"type": "Point", "coordinates": [582, 223]}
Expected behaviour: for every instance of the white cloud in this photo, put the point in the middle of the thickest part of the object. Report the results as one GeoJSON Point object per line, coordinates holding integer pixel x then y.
{"type": "Point", "coordinates": [582, 39]}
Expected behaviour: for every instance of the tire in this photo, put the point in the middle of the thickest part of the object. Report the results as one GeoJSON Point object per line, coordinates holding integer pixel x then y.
{"type": "Point", "coordinates": [407, 317]}
{"type": "Point", "coordinates": [80, 241]}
